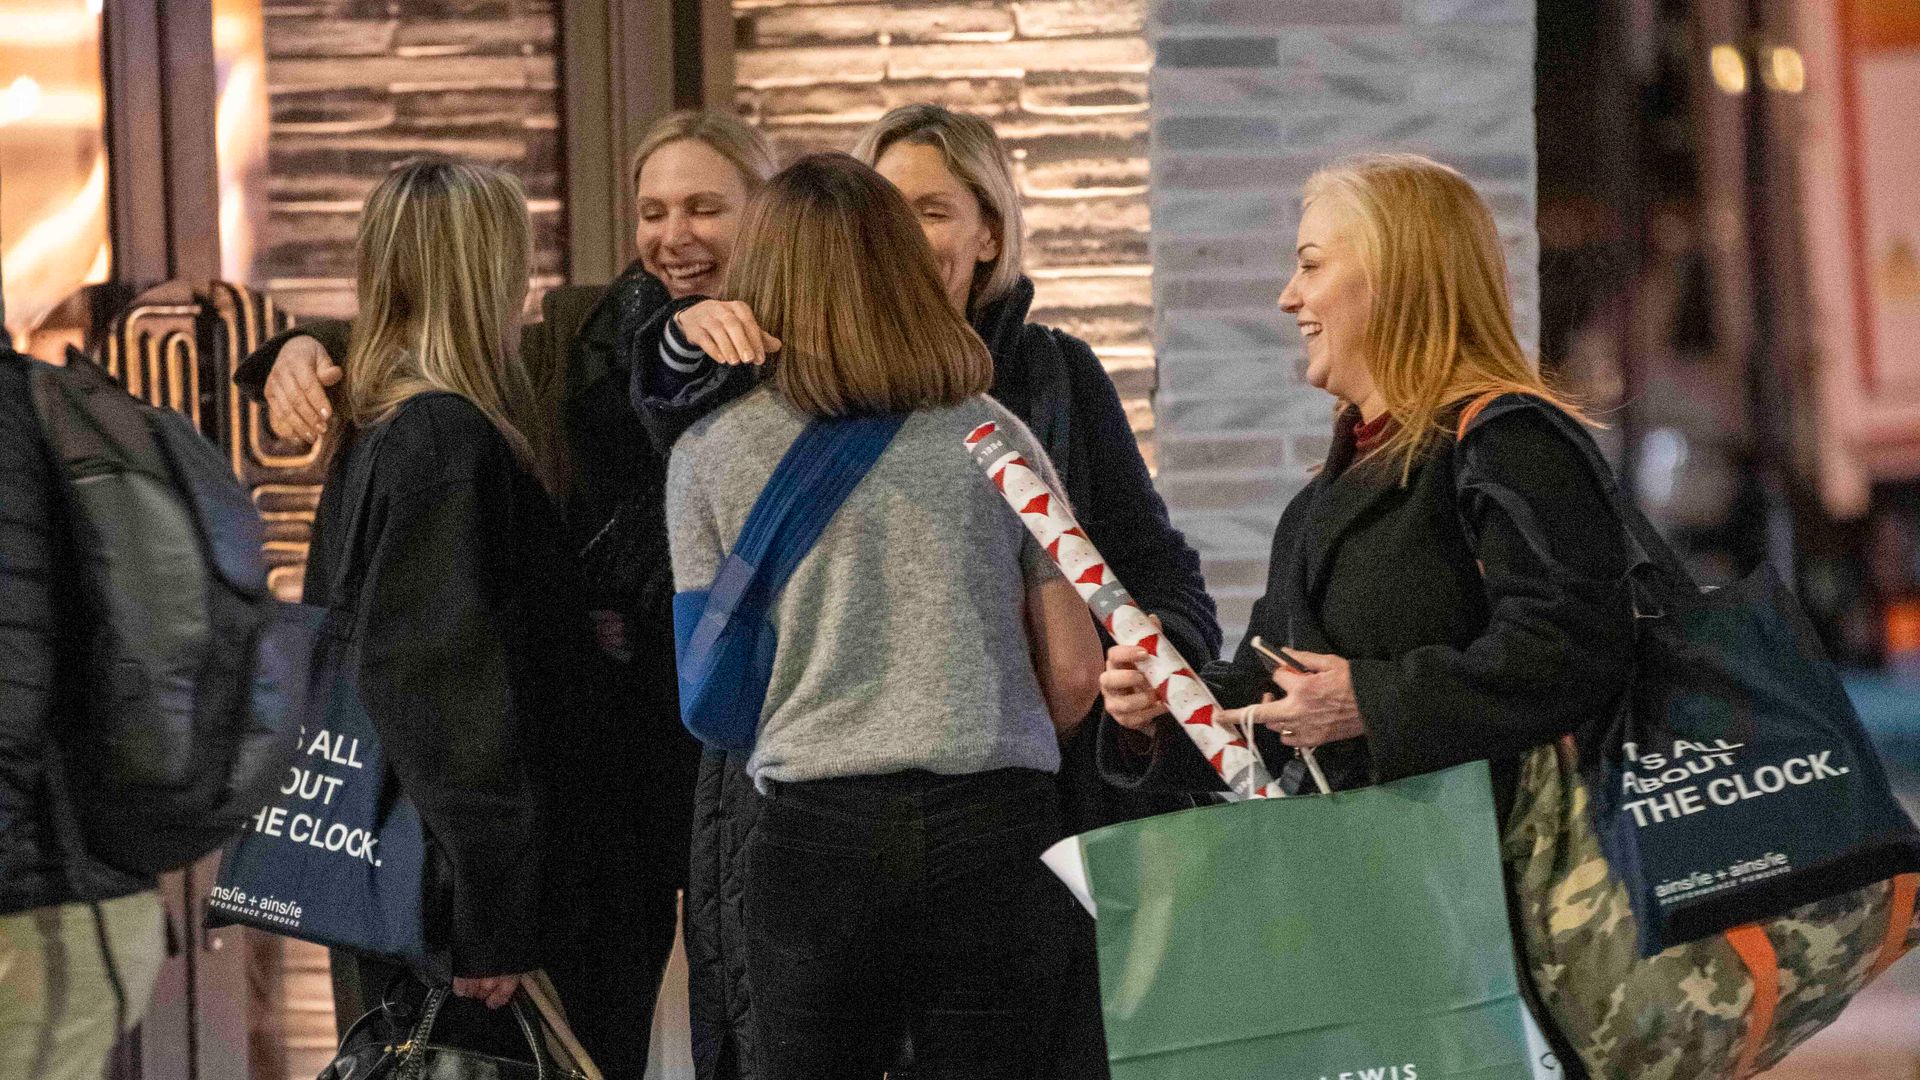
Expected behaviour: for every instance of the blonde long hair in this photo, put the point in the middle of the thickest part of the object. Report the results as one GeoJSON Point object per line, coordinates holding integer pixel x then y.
{"type": "Point", "coordinates": [833, 263]}
{"type": "Point", "coordinates": [442, 274]}
{"type": "Point", "coordinates": [1440, 333]}
{"type": "Point", "coordinates": [973, 153]}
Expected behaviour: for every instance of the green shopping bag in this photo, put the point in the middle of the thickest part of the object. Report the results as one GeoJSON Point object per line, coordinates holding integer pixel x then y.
{"type": "Point", "coordinates": [1356, 936]}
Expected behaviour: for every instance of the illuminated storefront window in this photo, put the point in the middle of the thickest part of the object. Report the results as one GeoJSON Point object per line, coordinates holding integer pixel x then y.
{"type": "Point", "coordinates": [53, 157]}
{"type": "Point", "coordinates": [240, 132]}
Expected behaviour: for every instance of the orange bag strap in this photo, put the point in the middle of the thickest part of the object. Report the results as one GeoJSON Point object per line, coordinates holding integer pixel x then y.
{"type": "Point", "coordinates": [1763, 966]}
{"type": "Point", "coordinates": [1473, 410]}
{"type": "Point", "coordinates": [1899, 915]}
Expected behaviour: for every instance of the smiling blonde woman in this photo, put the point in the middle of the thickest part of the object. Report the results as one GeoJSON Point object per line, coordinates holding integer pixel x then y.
{"type": "Point", "coordinates": [1456, 590]}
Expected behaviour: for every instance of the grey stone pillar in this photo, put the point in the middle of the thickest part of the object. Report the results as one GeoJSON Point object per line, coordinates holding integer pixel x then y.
{"type": "Point", "coordinates": [1248, 98]}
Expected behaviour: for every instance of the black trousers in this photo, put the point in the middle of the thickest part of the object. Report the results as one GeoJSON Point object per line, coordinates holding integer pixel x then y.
{"type": "Point", "coordinates": [908, 909]}
{"type": "Point", "coordinates": [608, 984]}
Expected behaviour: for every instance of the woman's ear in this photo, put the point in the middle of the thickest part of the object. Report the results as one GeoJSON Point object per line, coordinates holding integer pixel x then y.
{"type": "Point", "coordinates": [990, 250]}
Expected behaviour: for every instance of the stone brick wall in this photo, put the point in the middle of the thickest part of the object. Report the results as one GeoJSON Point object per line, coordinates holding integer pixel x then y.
{"type": "Point", "coordinates": [1249, 97]}
{"type": "Point", "coordinates": [357, 85]}
{"type": "Point", "coordinates": [1064, 81]}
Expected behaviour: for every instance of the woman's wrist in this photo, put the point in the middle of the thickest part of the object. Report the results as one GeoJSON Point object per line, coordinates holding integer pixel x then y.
{"type": "Point", "coordinates": [676, 351]}
{"type": "Point", "coordinates": [1137, 743]}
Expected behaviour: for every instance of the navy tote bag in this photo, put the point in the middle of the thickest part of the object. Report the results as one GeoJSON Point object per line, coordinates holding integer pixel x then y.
{"type": "Point", "coordinates": [1736, 782]}
{"type": "Point", "coordinates": [338, 855]}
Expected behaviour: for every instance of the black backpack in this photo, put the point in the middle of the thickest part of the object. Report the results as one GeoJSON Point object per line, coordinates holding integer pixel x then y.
{"type": "Point", "coordinates": [192, 674]}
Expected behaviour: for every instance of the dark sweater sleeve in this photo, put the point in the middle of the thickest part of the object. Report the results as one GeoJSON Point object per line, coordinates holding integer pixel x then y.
{"type": "Point", "coordinates": [440, 676]}
{"type": "Point", "coordinates": [1558, 646]}
{"type": "Point", "coordinates": [251, 375]}
{"type": "Point", "coordinates": [1127, 520]}
{"type": "Point", "coordinates": [670, 399]}
{"type": "Point", "coordinates": [28, 548]}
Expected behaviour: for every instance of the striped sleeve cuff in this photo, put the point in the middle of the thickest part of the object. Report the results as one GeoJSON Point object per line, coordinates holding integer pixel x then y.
{"type": "Point", "coordinates": [677, 353]}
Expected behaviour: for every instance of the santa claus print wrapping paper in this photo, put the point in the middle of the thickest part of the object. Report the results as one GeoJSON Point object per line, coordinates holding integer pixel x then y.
{"type": "Point", "coordinates": [1046, 515]}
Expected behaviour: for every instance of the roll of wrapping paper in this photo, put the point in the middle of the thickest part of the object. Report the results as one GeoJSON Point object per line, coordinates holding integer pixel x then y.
{"type": "Point", "coordinates": [1045, 514]}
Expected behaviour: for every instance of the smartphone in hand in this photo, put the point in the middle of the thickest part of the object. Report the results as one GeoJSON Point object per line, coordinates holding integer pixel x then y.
{"type": "Point", "coordinates": [1271, 658]}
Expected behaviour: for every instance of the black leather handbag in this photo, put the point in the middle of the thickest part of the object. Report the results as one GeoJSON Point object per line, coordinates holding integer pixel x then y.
{"type": "Point", "coordinates": [394, 1042]}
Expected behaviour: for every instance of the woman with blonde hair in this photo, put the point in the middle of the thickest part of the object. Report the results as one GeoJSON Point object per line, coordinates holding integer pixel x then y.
{"type": "Point", "coordinates": [439, 550]}
{"type": "Point", "coordinates": [691, 176]}
{"type": "Point", "coordinates": [1455, 587]}
{"type": "Point", "coordinates": [929, 658]}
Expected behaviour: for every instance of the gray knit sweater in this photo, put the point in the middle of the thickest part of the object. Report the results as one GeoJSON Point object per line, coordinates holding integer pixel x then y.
{"type": "Point", "coordinates": [902, 636]}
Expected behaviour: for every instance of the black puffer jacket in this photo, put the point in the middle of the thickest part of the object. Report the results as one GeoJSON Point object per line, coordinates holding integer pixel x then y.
{"type": "Point", "coordinates": [1055, 383]}
{"type": "Point", "coordinates": [41, 860]}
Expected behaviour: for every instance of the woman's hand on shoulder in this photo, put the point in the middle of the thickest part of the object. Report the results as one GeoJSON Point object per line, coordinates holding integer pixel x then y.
{"type": "Point", "coordinates": [1319, 707]}
{"type": "Point", "coordinates": [298, 407]}
{"type": "Point", "coordinates": [726, 331]}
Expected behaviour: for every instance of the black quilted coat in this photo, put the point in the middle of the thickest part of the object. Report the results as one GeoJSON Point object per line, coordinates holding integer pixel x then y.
{"type": "Point", "coordinates": [1054, 383]}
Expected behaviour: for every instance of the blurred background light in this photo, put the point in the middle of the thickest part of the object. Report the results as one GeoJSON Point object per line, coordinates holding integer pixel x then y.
{"type": "Point", "coordinates": [1729, 69]}
{"type": "Point", "coordinates": [1785, 70]}
{"type": "Point", "coordinates": [19, 100]}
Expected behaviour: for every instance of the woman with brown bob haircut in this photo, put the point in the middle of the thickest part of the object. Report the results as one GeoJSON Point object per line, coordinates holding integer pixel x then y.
{"type": "Point", "coordinates": [695, 354]}
{"type": "Point", "coordinates": [929, 660]}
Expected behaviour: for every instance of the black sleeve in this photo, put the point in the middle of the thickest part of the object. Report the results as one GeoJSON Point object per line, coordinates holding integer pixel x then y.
{"type": "Point", "coordinates": [251, 375]}
{"type": "Point", "coordinates": [441, 674]}
{"type": "Point", "coordinates": [1168, 762]}
{"type": "Point", "coordinates": [1558, 646]}
{"type": "Point", "coordinates": [668, 401]}
{"type": "Point", "coordinates": [1128, 521]}
{"type": "Point", "coordinates": [28, 623]}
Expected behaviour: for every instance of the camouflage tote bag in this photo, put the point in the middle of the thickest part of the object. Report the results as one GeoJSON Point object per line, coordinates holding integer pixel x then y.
{"type": "Point", "coordinates": [1723, 1006]}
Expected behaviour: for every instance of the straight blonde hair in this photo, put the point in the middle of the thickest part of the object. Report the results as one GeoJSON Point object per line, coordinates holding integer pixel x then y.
{"type": "Point", "coordinates": [833, 263]}
{"type": "Point", "coordinates": [729, 136]}
{"type": "Point", "coordinates": [1440, 333]}
{"type": "Point", "coordinates": [973, 153]}
{"type": "Point", "coordinates": [442, 273]}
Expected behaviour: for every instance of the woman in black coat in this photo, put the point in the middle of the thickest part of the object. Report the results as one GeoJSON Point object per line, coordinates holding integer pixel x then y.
{"type": "Point", "coordinates": [438, 544]}
{"type": "Point", "coordinates": [1456, 590]}
{"type": "Point", "coordinates": [695, 355]}
{"type": "Point", "coordinates": [692, 174]}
